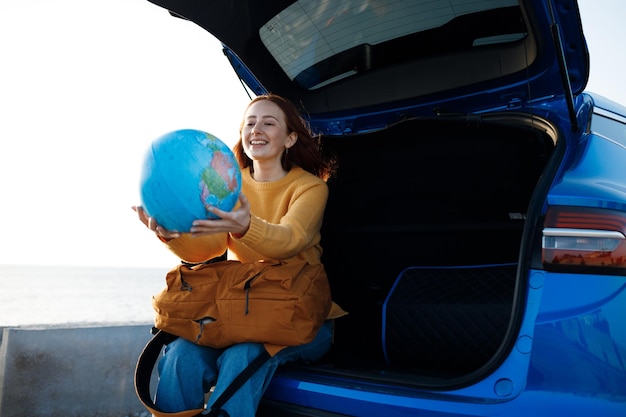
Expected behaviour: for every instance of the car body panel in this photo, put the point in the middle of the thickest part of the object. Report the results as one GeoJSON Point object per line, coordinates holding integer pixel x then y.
{"type": "Point", "coordinates": [595, 177]}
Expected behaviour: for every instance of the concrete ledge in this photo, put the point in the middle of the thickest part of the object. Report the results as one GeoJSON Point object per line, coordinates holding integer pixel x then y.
{"type": "Point", "coordinates": [78, 371]}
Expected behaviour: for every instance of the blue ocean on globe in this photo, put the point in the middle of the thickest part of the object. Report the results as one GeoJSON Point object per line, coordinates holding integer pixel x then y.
{"type": "Point", "coordinates": [185, 171]}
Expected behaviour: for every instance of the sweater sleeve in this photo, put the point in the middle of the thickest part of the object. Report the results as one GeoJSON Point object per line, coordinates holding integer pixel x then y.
{"type": "Point", "coordinates": [296, 231]}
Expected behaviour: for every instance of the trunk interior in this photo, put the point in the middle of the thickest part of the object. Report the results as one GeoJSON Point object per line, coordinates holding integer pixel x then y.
{"type": "Point", "coordinates": [443, 205]}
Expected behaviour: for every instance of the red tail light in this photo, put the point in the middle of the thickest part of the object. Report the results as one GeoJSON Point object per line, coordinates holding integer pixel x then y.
{"type": "Point", "coordinates": [584, 238]}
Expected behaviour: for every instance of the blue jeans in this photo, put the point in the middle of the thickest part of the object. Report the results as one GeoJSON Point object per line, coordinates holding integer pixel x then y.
{"type": "Point", "coordinates": [187, 371]}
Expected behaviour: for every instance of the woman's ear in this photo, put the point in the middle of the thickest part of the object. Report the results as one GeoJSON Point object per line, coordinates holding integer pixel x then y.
{"type": "Point", "coordinates": [293, 138]}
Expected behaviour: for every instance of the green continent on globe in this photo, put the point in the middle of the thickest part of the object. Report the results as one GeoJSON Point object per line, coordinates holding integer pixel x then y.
{"type": "Point", "coordinates": [218, 177]}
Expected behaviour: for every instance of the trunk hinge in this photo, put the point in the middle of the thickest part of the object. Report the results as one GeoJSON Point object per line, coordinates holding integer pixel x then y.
{"type": "Point", "coordinates": [560, 54]}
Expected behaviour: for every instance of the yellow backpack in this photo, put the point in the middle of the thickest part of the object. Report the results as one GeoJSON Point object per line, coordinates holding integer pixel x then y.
{"type": "Point", "coordinates": [228, 302]}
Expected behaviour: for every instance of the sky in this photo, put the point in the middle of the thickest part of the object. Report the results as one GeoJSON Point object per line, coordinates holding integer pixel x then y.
{"type": "Point", "coordinates": [86, 85]}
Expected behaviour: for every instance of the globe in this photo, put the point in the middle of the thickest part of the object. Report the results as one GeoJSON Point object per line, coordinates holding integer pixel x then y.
{"type": "Point", "coordinates": [183, 173]}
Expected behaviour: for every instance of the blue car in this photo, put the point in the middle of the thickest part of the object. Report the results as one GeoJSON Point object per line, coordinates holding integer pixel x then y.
{"type": "Point", "coordinates": [476, 227]}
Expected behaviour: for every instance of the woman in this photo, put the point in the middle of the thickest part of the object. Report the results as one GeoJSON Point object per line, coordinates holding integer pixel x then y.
{"type": "Point", "coordinates": [279, 216]}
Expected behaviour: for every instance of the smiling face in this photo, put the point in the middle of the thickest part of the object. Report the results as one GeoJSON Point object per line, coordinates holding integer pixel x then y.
{"type": "Point", "coordinates": [264, 132]}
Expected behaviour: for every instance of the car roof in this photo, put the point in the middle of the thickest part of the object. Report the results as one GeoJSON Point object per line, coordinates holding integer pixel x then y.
{"type": "Point", "coordinates": [370, 56]}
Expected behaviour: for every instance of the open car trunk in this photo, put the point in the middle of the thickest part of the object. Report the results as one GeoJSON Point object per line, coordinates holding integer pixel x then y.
{"type": "Point", "coordinates": [421, 242]}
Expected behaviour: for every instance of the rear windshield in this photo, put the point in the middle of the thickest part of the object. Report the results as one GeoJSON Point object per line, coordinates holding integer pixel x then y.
{"type": "Point", "coordinates": [317, 42]}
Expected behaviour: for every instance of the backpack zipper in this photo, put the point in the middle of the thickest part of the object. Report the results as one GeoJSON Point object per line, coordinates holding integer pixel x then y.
{"type": "Point", "coordinates": [246, 287]}
{"type": "Point", "coordinates": [202, 322]}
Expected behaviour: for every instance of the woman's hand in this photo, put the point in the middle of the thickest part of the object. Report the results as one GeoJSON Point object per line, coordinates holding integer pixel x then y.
{"type": "Point", "coordinates": [151, 223]}
{"type": "Point", "coordinates": [235, 222]}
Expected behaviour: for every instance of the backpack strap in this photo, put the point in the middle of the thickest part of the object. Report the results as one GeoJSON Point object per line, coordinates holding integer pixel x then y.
{"type": "Point", "coordinates": [238, 382]}
{"type": "Point", "coordinates": [149, 357]}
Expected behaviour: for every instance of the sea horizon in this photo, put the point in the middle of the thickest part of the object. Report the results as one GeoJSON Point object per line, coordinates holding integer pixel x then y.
{"type": "Point", "coordinates": [59, 295]}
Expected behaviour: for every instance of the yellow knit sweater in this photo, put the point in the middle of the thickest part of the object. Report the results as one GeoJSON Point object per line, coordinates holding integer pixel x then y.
{"type": "Point", "coordinates": [286, 217]}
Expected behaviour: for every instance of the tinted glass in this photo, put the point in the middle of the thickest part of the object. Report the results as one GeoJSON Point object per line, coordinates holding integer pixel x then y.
{"type": "Point", "coordinates": [320, 41]}
{"type": "Point", "coordinates": [610, 127]}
